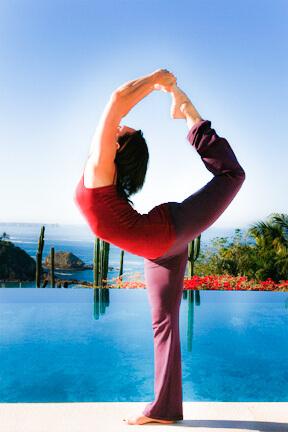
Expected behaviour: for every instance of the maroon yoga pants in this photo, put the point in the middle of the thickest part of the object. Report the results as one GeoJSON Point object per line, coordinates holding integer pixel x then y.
{"type": "Point", "coordinates": [164, 276]}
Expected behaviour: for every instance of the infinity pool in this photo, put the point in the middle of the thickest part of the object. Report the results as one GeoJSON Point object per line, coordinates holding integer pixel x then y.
{"type": "Point", "coordinates": [85, 345]}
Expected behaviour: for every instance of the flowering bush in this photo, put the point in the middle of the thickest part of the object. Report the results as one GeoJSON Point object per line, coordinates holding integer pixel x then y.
{"type": "Point", "coordinates": [233, 283]}
{"type": "Point", "coordinates": [211, 282]}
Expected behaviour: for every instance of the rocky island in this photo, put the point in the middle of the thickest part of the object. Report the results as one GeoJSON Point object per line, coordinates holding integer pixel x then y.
{"type": "Point", "coordinates": [66, 260]}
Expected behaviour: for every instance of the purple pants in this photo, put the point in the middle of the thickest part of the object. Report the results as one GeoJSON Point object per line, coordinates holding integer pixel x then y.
{"type": "Point", "coordinates": [164, 276]}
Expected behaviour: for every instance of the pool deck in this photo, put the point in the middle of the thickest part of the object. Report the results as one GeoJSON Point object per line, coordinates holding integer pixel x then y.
{"type": "Point", "coordinates": [108, 417]}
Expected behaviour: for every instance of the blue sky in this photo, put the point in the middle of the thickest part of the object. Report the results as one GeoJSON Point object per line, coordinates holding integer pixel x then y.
{"type": "Point", "coordinates": [61, 60]}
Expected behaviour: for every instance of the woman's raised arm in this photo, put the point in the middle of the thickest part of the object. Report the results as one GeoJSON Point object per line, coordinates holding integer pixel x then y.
{"type": "Point", "coordinates": [104, 142]}
{"type": "Point", "coordinates": [130, 93]}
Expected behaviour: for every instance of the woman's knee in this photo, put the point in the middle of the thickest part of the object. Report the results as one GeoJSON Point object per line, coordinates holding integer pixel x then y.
{"type": "Point", "coordinates": [165, 316]}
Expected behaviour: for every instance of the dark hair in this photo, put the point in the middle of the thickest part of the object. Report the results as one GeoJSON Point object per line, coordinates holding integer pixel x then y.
{"type": "Point", "coordinates": [131, 163]}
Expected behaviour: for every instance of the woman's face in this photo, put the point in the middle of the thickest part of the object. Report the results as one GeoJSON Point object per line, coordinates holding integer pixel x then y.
{"type": "Point", "coordinates": [121, 130]}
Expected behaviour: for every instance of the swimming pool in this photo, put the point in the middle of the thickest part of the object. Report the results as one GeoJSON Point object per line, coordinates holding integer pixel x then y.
{"type": "Point", "coordinates": [85, 345]}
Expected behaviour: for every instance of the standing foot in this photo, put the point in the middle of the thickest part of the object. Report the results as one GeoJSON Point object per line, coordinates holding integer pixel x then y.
{"type": "Point", "coordinates": [142, 419]}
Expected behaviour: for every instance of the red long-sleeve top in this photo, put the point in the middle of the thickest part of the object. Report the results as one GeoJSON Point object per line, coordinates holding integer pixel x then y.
{"type": "Point", "coordinates": [114, 220]}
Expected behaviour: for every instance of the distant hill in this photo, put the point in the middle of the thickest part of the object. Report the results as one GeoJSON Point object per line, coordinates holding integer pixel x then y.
{"type": "Point", "coordinates": [15, 263]}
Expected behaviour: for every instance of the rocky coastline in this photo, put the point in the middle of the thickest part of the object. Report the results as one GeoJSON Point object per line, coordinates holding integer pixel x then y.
{"type": "Point", "coordinates": [18, 266]}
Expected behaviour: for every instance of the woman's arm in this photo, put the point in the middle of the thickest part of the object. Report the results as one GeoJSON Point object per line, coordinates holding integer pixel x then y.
{"type": "Point", "coordinates": [130, 93]}
{"type": "Point", "coordinates": [119, 104]}
{"type": "Point", "coordinates": [104, 143]}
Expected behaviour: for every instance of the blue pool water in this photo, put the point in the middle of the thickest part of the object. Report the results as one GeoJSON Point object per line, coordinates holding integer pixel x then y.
{"type": "Point", "coordinates": [84, 345]}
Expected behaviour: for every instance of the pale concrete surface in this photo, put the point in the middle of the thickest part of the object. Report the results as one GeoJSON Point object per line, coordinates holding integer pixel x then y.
{"type": "Point", "coordinates": [107, 417]}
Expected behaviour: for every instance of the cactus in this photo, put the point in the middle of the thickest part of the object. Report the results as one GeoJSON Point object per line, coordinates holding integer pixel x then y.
{"type": "Point", "coordinates": [100, 262]}
{"type": "Point", "coordinates": [39, 257]}
{"type": "Point", "coordinates": [192, 296]}
{"type": "Point", "coordinates": [106, 262]}
{"type": "Point", "coordinates": [121, 264]}
{"type": "Point", "coordinates": [96, 263]}
{"type": "Point", "coordinates": [52, 268]}
{"type": "Point", "coordinates": [193, 254]}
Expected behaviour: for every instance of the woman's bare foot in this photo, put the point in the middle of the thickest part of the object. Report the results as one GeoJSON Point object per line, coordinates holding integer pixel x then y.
{"type": "Point", "coordinates": [178, 99]}
{"type": "Point", "coordinates": [142, 419]}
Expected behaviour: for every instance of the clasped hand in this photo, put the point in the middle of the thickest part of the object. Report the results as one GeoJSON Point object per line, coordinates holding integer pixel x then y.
{"type": "Point", "coordinates": [166, 81]}
{"type": "Point", "coordinates": [163, 80]}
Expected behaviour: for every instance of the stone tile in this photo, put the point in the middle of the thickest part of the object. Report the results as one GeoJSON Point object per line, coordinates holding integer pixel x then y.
{"type": "Point", "coordinates": [107, 417]}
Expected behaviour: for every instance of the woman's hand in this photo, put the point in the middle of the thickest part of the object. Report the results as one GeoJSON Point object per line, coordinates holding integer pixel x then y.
{"type": "Point", "coordinates": [163, 80]}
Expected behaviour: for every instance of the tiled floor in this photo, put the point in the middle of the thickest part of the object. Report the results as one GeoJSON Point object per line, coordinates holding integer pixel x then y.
{"type": "Point", "coordinates": [108, 417]}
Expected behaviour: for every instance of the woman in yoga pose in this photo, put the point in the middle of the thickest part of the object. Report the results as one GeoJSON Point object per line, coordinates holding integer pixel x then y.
{"type": "Point", "coordinates": [115, 169]}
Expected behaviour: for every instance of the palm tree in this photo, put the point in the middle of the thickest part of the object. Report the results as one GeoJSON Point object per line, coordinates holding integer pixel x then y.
{"type": "Point", "coordinates": [272, 243]}
{"type": "Point", "coordinates": [4, 236]}
{"type": "Point", "coordinates": [281, 243]}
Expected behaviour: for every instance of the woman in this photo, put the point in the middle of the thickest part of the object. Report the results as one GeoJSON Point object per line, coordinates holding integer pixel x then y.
{"type": "Point", "coordinates": [115, 169]}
